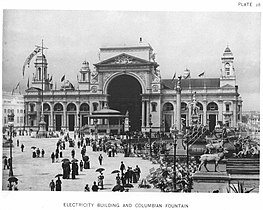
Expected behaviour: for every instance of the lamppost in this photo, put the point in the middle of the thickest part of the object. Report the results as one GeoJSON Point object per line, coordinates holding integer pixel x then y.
{"type": "Point", "coordinates": [11, 126]}
{"type": "Point", "coordinates": [96, 129]}
{"type": "Point", "coordinates": [150, 135]}
{"type": "Point", "coordinates": [175, 144]}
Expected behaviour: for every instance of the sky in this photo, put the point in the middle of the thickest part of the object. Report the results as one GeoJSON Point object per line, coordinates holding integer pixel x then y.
{"type": "Point", "coordinates": [193, 40]}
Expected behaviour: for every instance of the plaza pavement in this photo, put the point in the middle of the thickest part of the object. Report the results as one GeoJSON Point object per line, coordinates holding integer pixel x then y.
{"type": "Point", "coordinates": [35, 174]}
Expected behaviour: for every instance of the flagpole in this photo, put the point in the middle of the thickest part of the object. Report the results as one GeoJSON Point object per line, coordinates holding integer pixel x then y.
{"type": "Point", "coordinates": [42, 109]}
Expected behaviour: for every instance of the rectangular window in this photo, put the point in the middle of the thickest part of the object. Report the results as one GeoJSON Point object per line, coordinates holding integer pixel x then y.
{"type": "Point", "coordinates": [21, 119]}
{"type": "Point", "coordinates": [17, 111]}
{"type": "Point", "coordinates": [5, 121]}
{"type": "Point", "coordinates": [5, 110]}
{"type": "Point", "coordinates": [17, 120]}
{"type": "Point", "coordinates": [227, 108]}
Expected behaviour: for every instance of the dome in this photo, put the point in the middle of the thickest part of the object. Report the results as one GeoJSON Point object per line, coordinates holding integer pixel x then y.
{"type": "Point", "coordinates": [39, 59]}
{"type": "Point", "coordinates": [106, 111]}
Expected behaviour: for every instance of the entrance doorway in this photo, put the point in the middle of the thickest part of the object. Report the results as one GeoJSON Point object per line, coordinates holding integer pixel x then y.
{"type": "Point", "coordinates": [46, 119]}
{"type": "Point", "coordinates": [212, 122]}
{"type": "Point", "coordinates": [58, 122]}
{"type": "Point", "coordinates": [125, 95]}
{"type": "Point", "coordinates": [71, 122]}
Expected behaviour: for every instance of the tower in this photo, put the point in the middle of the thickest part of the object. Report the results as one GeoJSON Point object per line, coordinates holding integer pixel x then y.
{"type": "Point", "coordinates": [228, 76]}
{"type": "Point", "coordinates": [41, 73]}
{"type": "Point", "coordinates": [84, 80]}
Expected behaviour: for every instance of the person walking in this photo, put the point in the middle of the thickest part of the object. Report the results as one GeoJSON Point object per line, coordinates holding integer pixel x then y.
{"type": "Point", "coordinates": [95, 187]}
{"type": "Point", "coordinates": [42, 153]}
{"type": "Point", "coordinates": [73, 154]}
{"type": "Point", "coordinates": [17, 142]}
{"type": "Point", "coordinates": [100, 180]}
{"type": "Point", "coordinates": [137, 171]}
{"type": "Point", "coordinates": [38, 152]}
{"type": "Point", "coordinates": [52, 185]}
{"type": "Point", "coordinates": [53, 157]}
{"type": "Point", "coordinates": [5, 163]}
{"type": "Point", "coordinates": [22, 147]}
{"type": "Point", "coordinates": [122, 167]}
{"type": "Point", "coordinates": [58, 184]}
{"type": "Point", "coordinates": [100, 159]}
{"type": "Point", "coordinates": [81, 165]}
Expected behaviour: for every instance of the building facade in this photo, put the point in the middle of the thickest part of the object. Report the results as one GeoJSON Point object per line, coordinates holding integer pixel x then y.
{"type": "Point", "coordinates": [127, 79]}
{"type": "Point", "coordinates": [13, 103]}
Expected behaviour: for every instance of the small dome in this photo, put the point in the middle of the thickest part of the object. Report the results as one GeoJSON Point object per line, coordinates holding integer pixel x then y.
{"type": "Point", "coordinates": [106, 111]}
{"type": "Point", "coordinates": [39, 59]}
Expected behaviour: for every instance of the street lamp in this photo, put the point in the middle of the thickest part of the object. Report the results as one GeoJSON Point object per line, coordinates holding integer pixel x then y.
{"type": "Point", "coordinates": [150, 137]}
{"type": "Point", "coordinates": [11, 126]}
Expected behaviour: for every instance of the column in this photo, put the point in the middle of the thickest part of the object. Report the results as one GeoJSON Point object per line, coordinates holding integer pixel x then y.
{"type": "Point", "coordinates": [178, 100]}
{"type": "Point", "coordinates": [220, 110]}
{"type": "Point", "coordinates": [64, 122]}
{"type": "Point", "coordinates": [149, 110]}
{"type": "Point", "coordinates": [234, 114]}
{"type": "Point", "coordinates": [205, 113]}
{"type": "Point", "coordinates": [52, 116]}
{"type": "Point", "coordinates": [143, 113]}
{"type": "Point", "coordinates": [175, 112]}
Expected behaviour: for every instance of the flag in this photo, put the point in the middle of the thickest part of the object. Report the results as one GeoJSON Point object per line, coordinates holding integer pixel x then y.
{"type": "Point", "coordinates": [71, 85]}
{"type": "Point", "coordinates": [29, 58]}
{"type": "Point", "coordinates": [50, 79]}
{"type": "Point", "coordinates": [174, 76]}
{"type": "Point", "coordinates": [17, 85]}
{"type": "Point", "coordinates": [63, 78]}
{"type": "Point", "coordinates": [186, 73]}
{"type": "Point", "coordinates": [28, 83]}
{"type": "Point", "coordinates": [187, 76]}
{"type": "Point", "coordinates": [202, 74]}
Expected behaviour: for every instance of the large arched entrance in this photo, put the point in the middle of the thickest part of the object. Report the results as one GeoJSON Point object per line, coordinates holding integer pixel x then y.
{"type": "Point", "coordinates": [125, 94]}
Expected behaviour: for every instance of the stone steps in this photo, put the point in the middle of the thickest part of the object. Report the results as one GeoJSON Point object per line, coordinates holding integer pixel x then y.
{"type": "Point", "coordinates": [243, 166]}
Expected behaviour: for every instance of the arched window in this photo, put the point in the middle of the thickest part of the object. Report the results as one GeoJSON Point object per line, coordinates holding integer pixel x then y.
{"type": "Point", "coordinates": [31, 107]}
{"type": "Point", "coordinates": [154, 106]}
{"type": "Point", "coordinates": [183, 106]}
{"type": "Point", "coordinates": [71, 107]}
{"type": "Point", "coordinates": [168, 107]}
{"type": "Point", "coordinates": [84, 107]}
{"type": "Point", "coordinates": [200, 106]}
{"type": "Point", "coordinates": [46, 107]}
{"type": "Point", "coordinates": [227, 69]}
{"type": "Point", "coordinates": [212, 106]}
{"type": "Point", "coordinates": [58, 107]}
{"type": "Point", "coordinates": [95, 106]}
{"type": "Point", "coordinates": [39, 73]}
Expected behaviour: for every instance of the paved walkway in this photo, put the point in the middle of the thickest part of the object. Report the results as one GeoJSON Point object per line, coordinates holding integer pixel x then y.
{"type": "Point", "coordinates": [35, 174]}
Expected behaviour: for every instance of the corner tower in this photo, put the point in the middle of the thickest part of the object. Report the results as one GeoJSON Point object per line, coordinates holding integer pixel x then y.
{"type": "Point", "coordinates": [41, 74]}
{"type": "Point", "coordinates": [228, 76]}
{"type": "Point", "coordinates": [84, 80]}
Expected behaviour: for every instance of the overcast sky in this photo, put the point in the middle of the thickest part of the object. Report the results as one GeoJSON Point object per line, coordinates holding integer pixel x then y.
{"type": "Point", "coordinates": [193, 40]}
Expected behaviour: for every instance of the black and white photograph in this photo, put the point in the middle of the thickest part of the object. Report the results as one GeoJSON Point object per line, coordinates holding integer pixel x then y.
{"type": "Point", "coordinates": [130, 102]}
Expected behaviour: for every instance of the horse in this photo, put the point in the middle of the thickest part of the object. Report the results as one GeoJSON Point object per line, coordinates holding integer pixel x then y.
{"type": "Point", "coordinates": [211, 157]}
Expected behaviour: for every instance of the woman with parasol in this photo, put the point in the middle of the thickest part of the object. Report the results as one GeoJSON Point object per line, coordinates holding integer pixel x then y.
{"type": "Point", "coordinates": [58, 184]}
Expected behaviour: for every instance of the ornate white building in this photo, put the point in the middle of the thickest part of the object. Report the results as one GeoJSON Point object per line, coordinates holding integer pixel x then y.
{"type": "Point", "coordinates": [127, 79]}
{"type": "Point", "coordinates": [13, 103]}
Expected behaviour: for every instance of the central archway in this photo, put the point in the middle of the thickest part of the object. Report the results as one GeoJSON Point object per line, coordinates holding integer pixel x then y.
{"type": "Point", "coordinates": [125, 94]}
